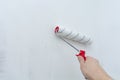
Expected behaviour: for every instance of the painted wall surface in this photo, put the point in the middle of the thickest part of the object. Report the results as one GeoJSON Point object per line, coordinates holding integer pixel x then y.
{"type": "Point", "coordinates": [32, 50]}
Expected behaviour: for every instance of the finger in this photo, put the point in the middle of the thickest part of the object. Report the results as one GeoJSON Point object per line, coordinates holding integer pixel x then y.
{"type": "Point", "coordinates": [89, 58]}
{"type": "Point", "coordinates": [81, 60]}
{"type": "Point", "coordinates": [84, 73]}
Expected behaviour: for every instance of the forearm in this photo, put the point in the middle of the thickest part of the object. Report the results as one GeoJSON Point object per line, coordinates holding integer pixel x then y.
{"type": "Point", "coordinates": [99, 75]}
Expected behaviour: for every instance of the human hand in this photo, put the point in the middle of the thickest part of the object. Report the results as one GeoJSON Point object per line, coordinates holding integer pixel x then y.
{"type": "Point", "coordinates": [92, 70]}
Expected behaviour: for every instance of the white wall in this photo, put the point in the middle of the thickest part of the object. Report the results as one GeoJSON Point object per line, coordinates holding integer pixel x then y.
{"type": "Point", "coordinates": [33, 52]}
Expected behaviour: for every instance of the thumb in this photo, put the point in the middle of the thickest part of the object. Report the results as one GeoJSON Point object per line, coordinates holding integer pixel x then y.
{"type": "Point", "coordinates": [81, 59]}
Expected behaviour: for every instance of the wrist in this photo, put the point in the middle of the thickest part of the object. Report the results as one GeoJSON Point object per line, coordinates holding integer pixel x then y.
{"type": "Point", "coordinates": [102, 77]}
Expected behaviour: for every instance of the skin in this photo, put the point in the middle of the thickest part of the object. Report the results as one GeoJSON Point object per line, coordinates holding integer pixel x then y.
{"type": "Point", "coordinates": [92, 70]}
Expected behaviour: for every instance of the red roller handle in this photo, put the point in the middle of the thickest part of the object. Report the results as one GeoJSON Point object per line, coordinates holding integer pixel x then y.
{"type": "Point", "coordinates": [82, 53]}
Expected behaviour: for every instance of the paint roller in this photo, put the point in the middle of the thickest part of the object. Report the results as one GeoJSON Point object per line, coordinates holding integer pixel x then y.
{"type": "Point", "coordinates": [64, 33]}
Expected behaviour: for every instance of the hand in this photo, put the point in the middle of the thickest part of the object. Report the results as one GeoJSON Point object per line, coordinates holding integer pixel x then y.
{"type": "Point", "coordinates": [92, 70]}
